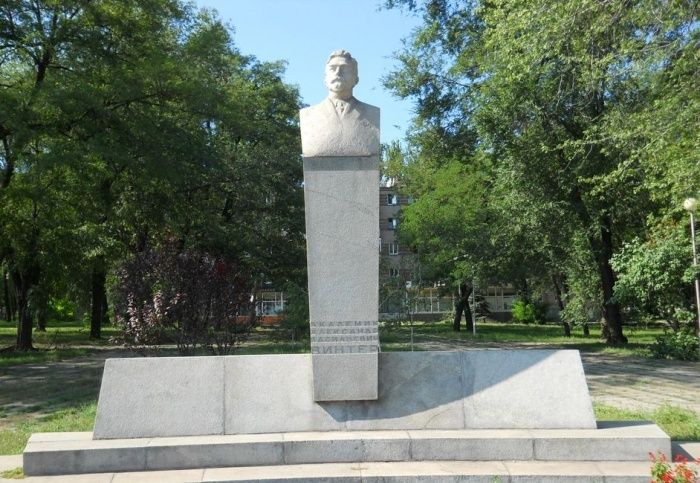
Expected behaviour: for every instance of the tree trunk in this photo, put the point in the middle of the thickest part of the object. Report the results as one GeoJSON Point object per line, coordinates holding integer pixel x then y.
{"type": "Point", "coordinates": [468, 312]}
{"type": "Point", "coordinates": [9, 305]}
{"type": "Point", "coordinates": [41, 316]}
{"type": "Point", "coordinates": [612, 318]}
{"type": "Point", "coordinates": [99, 299]}
{"type": "Point", "coordinates": [105, 311]}
{"type": "Point", "coordinates": [524, 291]}
{"type": "Point", "coordinates": [23, 282]}
{"type": "Point", "coordinates": [560, 303]}
{"type": "Point", "coordinates": [462, 306]}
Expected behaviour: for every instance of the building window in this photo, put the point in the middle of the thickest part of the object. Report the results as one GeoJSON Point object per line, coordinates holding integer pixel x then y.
{"type": "Point", "coordinates": [393, 272]}
{"type": "Point", "coordinates": [393, 248]}
{"type": "Point", "coordinates": [393, 223]}
{"type": "Point", "coordinates": [392, 199]}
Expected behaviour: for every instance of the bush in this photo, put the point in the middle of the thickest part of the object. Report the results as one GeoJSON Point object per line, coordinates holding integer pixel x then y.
{"type": "Point", "coordinates": [200, 300]}
{"type": "Point", "coordinates": [62, 309]}
{"type": "Point", "coordinates": [681, 345]}
{"type": "Point", "coordinates": [528, 312]}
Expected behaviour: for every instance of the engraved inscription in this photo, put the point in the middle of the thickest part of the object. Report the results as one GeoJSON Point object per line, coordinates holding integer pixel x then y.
{"type": "Point", "coordinates": [344, 337]}
{"type": "Point", "coordinates": [344, 349]}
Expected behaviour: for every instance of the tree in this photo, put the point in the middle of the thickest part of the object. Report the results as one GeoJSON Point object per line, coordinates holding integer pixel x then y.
{"type": "Point", "coordinates": [130, 123]}
{"type": "Point", "coordinates": [544, 87]}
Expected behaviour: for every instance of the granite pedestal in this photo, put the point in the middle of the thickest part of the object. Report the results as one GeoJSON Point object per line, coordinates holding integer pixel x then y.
{"type": "Point", "coordinates": [495, 389]}
{"type": "Point", "coordinates": [342, 243]}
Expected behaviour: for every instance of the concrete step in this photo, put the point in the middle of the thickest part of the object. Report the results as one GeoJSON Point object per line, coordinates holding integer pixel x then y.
{"type": "Point", "coordinates": [414, 471]}
{"type": "Point", "coordinates": [75, 453]}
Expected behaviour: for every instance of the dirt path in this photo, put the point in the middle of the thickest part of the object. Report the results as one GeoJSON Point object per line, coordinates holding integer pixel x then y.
{"type": "Point", "coordinates": [50, 386]}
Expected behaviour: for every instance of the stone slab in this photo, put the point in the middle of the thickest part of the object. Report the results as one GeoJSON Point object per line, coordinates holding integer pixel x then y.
{"type": "Point", "coordinates": [345, 377]}
{"type": "Point", "coordinates": [57, 454]}
{"type": "Point", "coordinates": [417, 390]}
{"type": "Point", "coordinates": [631, 439]}
{"type": "Point", "coordinates": [342, 249]}
{"type": "Point", "coordinates": [274, 394]}
{"type": "Point", "coordinates": [403, 472]}
{"type": "Point", "coordinates": [472, 445]}
{"type": "Point", "coordinates": [164, 396]}
{"type": "Point", "coordinates": [530, 388]}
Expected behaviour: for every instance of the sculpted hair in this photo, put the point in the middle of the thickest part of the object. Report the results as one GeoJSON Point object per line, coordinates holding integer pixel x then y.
{"type": "Point", "coordinates": [346, 55]}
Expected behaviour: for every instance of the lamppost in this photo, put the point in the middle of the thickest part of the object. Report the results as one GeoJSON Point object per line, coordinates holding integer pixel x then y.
{"type": "Point", "coordinates": [691, 205]}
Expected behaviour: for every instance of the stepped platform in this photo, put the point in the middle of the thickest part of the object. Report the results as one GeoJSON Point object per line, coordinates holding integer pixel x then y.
{"type": "Point", "coordinates": [390, 472]}
{"type": "Point", "coordinates": [284, 453]}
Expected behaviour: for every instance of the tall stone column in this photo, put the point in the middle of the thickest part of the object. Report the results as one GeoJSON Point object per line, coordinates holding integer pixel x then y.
{"type": "Point", "coordinates": [340, 145]}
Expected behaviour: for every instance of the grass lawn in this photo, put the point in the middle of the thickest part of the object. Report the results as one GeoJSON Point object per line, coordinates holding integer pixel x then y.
{"type": "Point", "coordinates": [398, 336]}
{"type": "Point", "coordinates": [62, 339]}
{"type": "Point", "coordinates": [13, 438]}
{"type": "Point", "coordinates": [680, 424]}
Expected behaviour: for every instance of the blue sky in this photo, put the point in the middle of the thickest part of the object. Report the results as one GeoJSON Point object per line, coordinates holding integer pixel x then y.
{"type": "Point", "coordinates": [304, 32]}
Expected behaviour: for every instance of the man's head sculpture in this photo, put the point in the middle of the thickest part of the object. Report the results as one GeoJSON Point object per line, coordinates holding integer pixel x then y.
{"type": "Point", "coordinates": [341, 74]}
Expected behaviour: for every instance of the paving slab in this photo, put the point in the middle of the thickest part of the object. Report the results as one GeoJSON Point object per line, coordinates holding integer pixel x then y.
{"type": "Point", "coordinates": [10, 462]}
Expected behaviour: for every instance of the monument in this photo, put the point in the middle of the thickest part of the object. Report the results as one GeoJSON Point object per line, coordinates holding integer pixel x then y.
{"type": "Point", "coordinates": [340, 146]}
{"type": "Point", "coordinates": [317, 416]}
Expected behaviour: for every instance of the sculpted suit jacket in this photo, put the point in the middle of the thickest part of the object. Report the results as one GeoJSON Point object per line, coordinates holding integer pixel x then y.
{"type": "Point", "coordinates": [326, 132]}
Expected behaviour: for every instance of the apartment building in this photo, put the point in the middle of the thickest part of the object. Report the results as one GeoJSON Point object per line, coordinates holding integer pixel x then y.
{"type": "Point", "coordinates": [393, 260]}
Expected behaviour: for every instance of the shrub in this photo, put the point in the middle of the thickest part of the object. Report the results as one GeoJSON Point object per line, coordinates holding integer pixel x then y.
{"type": "Point", "coordinates": [523, 312]}
{"type": "Point", "coordinates": [681, 345]}
{"type": "Point", "coordinates": [199, 300]}
{"type": "Point", "coordinates": [62, 309]}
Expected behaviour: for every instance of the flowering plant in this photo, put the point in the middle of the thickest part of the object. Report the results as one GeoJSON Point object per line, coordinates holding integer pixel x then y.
{"type": "Point", "coordinates": [662, 471]}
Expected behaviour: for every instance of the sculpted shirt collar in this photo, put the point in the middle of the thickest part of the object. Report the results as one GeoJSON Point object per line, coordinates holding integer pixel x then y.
{"type": "Point", "coordinates": [341, 106]}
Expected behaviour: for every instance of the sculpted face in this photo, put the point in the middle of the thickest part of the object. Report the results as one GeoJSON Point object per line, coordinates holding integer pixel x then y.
{"type": "Point", "coordinates": [341, 77]}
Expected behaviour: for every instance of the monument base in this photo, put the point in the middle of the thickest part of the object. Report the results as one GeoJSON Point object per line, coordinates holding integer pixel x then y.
{"type": "Point", "coordinates": [489, 389]}
{"type": "Point", "coordinates": [422, 427]}
{"type": "Point", "coordinates": [74, 453]}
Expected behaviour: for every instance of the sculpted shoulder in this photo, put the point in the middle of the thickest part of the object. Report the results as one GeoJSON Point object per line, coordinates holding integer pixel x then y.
{"type": "Point", "coordinates": [340, 125]}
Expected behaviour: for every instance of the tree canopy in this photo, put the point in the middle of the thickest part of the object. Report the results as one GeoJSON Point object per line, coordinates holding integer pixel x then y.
{"type": "Point", "coordinates": [549, 135]}
{"type": "Point", "coordinates": [128, 124]}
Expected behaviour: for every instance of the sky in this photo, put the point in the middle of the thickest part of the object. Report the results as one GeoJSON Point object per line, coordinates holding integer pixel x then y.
{"type": "Point", "coordinates": [304, 32]}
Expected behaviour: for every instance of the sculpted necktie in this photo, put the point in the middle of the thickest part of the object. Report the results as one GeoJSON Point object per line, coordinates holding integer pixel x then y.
{"type": "Point", "coordinates": [341, 107]}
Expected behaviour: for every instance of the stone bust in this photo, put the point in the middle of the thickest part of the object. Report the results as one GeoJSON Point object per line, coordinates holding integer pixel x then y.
{"type": "Point", "coordinates": [340, 125]}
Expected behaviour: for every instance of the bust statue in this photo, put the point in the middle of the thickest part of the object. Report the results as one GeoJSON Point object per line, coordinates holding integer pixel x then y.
{"type": "Point", "coordinates": [340, 125]}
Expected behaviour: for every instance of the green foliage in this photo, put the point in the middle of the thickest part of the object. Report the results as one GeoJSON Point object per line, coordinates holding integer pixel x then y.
{"type": "Point", "coordinates": [128, 123]}
{"type": "Point", "coordinates": [566, 114]}
{"type": "Point", "coordinates": [654, 276]}
{"type": "Point", "coordinates": [682, 345]}
{"type": "Point", "coordinates": [62, 309]}
{"type": "Point", "coordinates": [524, 312]}
{"type": "Point", "coordinates": [529, 312]}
